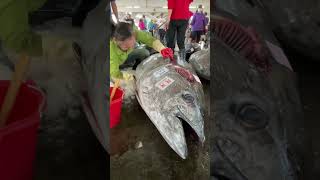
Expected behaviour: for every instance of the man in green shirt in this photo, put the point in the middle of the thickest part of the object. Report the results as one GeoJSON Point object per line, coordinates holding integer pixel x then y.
{"type": "Point", "coordinates": [122, 47]}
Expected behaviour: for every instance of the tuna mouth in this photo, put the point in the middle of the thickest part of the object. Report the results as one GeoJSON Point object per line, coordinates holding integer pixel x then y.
{"type": "Point", "coordinates": [190, 131]}
{"type": "Point", "coordinates": [193, 127]}
{"type": "Point", "coordinates": [224, 164]}
{"type": "Point", "coordinates": [222, 168]}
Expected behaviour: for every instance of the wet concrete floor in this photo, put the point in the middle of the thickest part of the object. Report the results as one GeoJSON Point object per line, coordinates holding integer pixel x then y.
{"type": "Point", "coordinates": [308, 74]}
{"type": "Point", "coordinates": [68, 149]}
{"type": "Point", "coordinates": [155, 159]}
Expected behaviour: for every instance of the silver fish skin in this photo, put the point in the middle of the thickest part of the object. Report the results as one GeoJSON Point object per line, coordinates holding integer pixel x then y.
{"type": "Point", "coordinates": [168, 99]}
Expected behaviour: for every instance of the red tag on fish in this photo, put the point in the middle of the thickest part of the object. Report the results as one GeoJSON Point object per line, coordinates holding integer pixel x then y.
{"type": "Point", "coordinates": [185, 73]}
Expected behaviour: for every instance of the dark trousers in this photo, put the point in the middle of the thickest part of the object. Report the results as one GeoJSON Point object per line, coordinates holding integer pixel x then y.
{"type": "Point", "coordinates": [162, 33]}
{"type": "Point", "coordinates": [179, 27]}
{"type": "Point", "coordinates": [196, 35]}
{"type": "Point", "coordinates": [151, 31]}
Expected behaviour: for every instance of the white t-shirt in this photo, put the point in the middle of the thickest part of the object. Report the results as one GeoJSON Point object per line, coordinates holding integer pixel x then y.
{"type": "Point", "coordinates": [160, 22]}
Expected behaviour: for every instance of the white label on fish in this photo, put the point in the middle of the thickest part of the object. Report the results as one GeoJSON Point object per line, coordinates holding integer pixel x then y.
{"type": "Point", "coordinates": [164, 83]}
{"type": "Point", "coordinates": [160, 72]}
{"type": "Point", "coordinates": [197, 78]}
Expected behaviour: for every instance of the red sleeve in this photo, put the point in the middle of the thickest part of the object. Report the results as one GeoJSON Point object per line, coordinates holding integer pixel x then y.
{"type": "Point", "coordinates": [171, 4]}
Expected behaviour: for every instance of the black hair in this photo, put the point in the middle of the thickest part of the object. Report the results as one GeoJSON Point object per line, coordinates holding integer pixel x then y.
{"type": "Point", "coordinates": [123, 31]}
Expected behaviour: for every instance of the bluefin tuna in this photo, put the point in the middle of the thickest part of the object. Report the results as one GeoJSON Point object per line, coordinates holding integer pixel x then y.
{"type": "Point", "coordinates": [258, 127]}
{"type": "Point", "coordinates": [200, 61]}
{"type": "Point", "coordinates": [170, 94]}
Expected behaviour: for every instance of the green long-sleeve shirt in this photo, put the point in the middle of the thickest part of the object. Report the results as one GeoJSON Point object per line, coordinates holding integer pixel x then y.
{"type": "Point", "coordinates": [118, 57]}
{"type": "Point", "coordinates": [15, 32]}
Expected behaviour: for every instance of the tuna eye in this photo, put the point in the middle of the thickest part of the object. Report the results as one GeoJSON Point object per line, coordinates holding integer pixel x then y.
{"type": "Point", "coordinates": [251, 116]}
{"type": "Point", "coordinates": [188, 98]}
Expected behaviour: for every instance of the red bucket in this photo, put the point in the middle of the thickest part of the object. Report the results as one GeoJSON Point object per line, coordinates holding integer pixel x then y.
{"type": "Point", "coordinates": [19, 136]}
{"type": "Point", "coordinates": [115, 107]}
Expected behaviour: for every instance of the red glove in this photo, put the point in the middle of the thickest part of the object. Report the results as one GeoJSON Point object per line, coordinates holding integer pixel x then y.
{"type": "Point", "coordinates": [167, 53]}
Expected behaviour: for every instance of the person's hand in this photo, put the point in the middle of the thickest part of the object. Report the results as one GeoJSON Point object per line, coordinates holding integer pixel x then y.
{"type": "Point", "coordinates": [166, 25]}
{"type": "Point", "coordinates": [127, 83]}
{"type": "Point", "coordinates": [127, 80]}
{"type": "Point", "coordinates": [167, 53]}
{"type": "Point", "coordinates": [127, 76]}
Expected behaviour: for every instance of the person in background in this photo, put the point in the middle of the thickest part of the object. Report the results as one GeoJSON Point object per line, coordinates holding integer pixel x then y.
{"type": "Point", "coordinates": [122, 49]}
{"type": "Point", "coordinates": [177, 23]}
{"type": "Point", "coordinates": [144, 20]}
{"type": "Point", "coordinates": [115, 9]}
{"type": "Point", "coordinates": [206, 16]}
{"type": "Point", "coordinates": [161, 26]}
{"type": "Point", "coordinates": [129, 19]}
{"type": "Point", "coordinates": [198, 24]}
{"type": "Point", "coordinates": [207, 22]}
{"type": "Point", "coordinates": [151, 26]}
{"type": "Point", "coordinates": [155, 26]}
{"type": "Point", "coordinates": [142, 25]}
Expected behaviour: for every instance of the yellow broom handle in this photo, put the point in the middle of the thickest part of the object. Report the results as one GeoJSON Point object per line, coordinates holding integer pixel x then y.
{"type": "Point", "coordinates": [113, 92]}
{"type": "Point", "coordinates": [21, 69]}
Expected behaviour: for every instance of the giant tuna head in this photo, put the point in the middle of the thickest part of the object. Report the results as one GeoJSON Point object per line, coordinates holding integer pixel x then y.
{"type": "Point", "coordinates": [169, 99]}
{"type": "Point", "coordinates": [182, 107]}
{"type": "Point", "coordinates": [256, 110]}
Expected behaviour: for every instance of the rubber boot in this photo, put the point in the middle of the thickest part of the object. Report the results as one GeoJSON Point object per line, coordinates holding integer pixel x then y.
{"type": "Point", "coordinates": [182, 57]}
